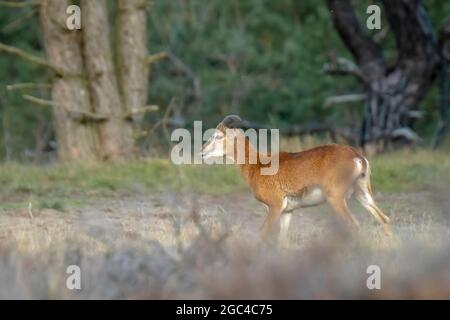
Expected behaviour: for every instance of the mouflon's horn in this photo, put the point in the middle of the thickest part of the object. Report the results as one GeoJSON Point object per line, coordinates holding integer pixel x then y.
{"type": "Point", "coordinates": [232, 121]}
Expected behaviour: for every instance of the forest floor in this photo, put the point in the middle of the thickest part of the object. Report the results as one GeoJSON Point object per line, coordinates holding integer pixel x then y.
{"type": "Point", "coordinates": [417, 215]}
{"type": "Point", "coordinates": [122, 241]}
{"type": "Point", "coordinates": [135, 237]}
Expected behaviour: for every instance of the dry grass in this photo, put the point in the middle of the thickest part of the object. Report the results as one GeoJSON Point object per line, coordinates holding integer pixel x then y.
{"type": "Point", "coordinates": [156, 247]}
{"type": "Point", "coordinates": [152, 230]}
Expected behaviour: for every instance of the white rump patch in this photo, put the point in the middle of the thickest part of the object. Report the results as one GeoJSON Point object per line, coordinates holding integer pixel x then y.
{"type": "Point", "coordinates": [358, 167]}
{"type": "Point", "coordinates": [285, 203]}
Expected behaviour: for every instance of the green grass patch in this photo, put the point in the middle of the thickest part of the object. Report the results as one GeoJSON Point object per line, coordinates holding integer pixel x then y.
{"type": "Point", "coordinates": [409, 170]}
{"type": "Point", "coordinates": [53, 185]}
{"type": "Point", "coordinates": [64, 180]}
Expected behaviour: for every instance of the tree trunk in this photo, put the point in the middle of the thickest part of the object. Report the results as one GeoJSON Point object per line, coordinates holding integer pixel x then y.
{"type": "Point", "coordinates": [393, 93]}
{"type": "Point", "coordinates": [443, 78]}
{"type": "Point", "coordinates": [133, 69]}
{"type": "Point", "coordinates": [76, 140]}
{"type": "Point", "coordinates": [116, 136]}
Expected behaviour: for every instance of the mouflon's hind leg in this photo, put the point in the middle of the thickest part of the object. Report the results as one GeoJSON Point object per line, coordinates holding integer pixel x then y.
{"type": "Point", "coordinates": [363, 193]}
{"type": "Point", "coordinates": [285, 221]}
{"type": "Point", "coordinates": [364, 197]}
{"type": "Point", "coordinates": [339, 204]}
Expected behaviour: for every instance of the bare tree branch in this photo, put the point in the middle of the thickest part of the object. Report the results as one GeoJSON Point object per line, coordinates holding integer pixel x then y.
{"type": "Point", "coordinates": [406, 133]}
{"type": "Point", "coordinates": [28, 85]}
{"type": "Point", "coordinates": [29, 57]}
{"type": "Point", "coordinates": [416, 114]}
{"type": "Point", "coordinates": [156, 57]}
{"type": "Point", "coordinates": [19, 4]}
{"type": "Point", "coordinates": [39, 101]}
{"type": "Point", "coordinates": [75, 115]}
{"type": "Point", "coordinates": [354, 97]}
{"type": "Point", "coordinates": [343, 66]}
{"type": "Point", "coordinates": [140, 111]}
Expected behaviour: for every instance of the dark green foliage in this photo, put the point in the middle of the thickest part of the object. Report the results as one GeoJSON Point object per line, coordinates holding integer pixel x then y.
{"type": "Point", "coordinates": [257, 58]}
{"type": "Point", "coordinates": [20, 120]}
{"type": "Point", "coordinates": [261, 59]}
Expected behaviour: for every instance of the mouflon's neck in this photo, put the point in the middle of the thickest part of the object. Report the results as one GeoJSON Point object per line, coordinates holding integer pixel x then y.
{"type": "Point", "coordinates": [244, 153]}
{"type": "Point", "coordinates": [246, 157]}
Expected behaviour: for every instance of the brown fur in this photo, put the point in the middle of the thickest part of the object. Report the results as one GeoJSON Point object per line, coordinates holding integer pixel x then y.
{"type": "Point", "coordinates": [329, 167]}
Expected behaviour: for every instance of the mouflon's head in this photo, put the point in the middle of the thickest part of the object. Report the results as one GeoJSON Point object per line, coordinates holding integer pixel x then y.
{"type": "Point", "coordinates": [216, 145]}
